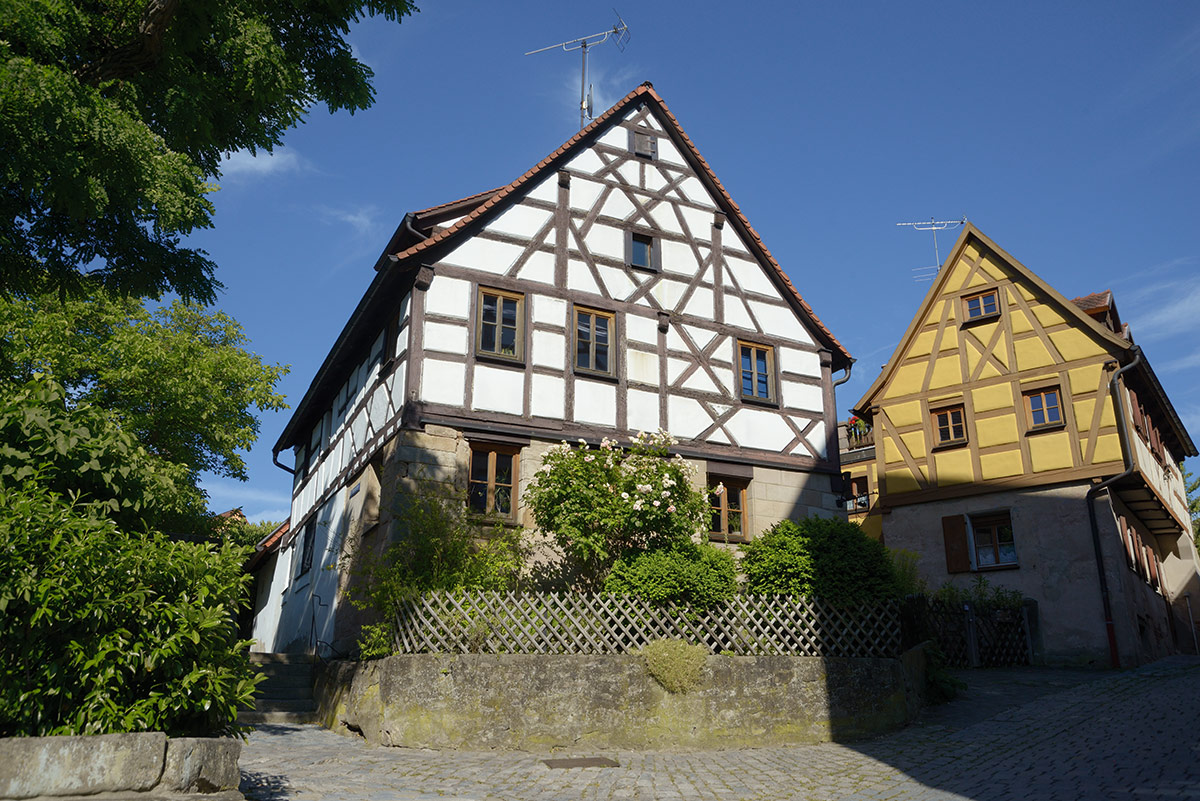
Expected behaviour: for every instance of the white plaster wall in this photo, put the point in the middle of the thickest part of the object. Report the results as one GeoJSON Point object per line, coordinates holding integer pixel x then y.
{"type": "Point", "coordinates": [482, 254]}
{"type": "Point", "coordinates": [267, 605]}
{"type": "Point", "coordinates": [448, 296]}
{"type": "Point", "coordinates": [317, 588]}
{"type": "Point", "coordinates": [443, 382]}
{"type": "Point", "coordinates": [446, 338]}
{"type": "Point", "coordinates": [549, 349]}
{"type": "Point", "coordinates": [756, 428]}
{"type": "Point", "coordinates": [498, 390]}
{"type": "Point", "coordinates": [595, 402]}
{"type": "Point", "coordinates": [550, 311]}
{"type": "Point", "coordinates": [549, 397]}
{"type": "Point", "coordinates": [642, 410]}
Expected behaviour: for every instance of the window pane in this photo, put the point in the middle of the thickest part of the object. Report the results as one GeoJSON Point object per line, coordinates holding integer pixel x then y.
{"type": "Point", "coordinates": [1052, 409]}
{"type": "Point", "coordinates": [487, 338]}
{"type": "Point", "coordinates": [601, 330]}
{"type": "Point", "coordinates": [582, 355]}
{"type": "Point", "coordinates": [479, 466]}
{"type": "Point", "coordinates": [583, 327]}
{"type": "Point", "coordinates": [478, 498]}
{"type": "Point", "coordinates": [489, 308]}
{"type": "Point", "coordinates": [715, 524]}
{"type": "Point", "coordinates": [510, 312]}
{"type": "Point", "coordinates": [973, 307]}
{"type": "Point", "coordinates": [602, 358]}
{"type": "Point", "coordinates": [735, 522]}
{"type": "Point", "coordinates": [989, 303]}
{"type": "Point", "coordinates": [762, 386]}
{"type": "Point", "coordinates": [504, 468]}
{"type": "Point", "coordinates": [641, 250]}
{"type": "Point", "coordinates": [508, 341]}
{"type": "Point", "coordinates": [503, 500]}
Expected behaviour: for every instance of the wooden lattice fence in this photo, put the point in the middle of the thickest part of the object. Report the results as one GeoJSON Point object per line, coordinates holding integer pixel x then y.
{"type": "Point", "coordinates": [579, 623]}
{"type": "Point", "coordinates": [972, 635]}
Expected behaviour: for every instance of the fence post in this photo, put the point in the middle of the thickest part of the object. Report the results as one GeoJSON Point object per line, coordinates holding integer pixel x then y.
{"type": "Point", "coordinates": [972, 636]}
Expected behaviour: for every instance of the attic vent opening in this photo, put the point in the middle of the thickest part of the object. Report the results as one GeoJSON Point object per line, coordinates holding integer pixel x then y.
{"type": "Point", "coordinates": [643, 144]}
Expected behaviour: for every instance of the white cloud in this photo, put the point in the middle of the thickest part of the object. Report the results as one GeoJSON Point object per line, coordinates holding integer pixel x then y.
{"type": "Point", "coordinates": [1186, 363]}
{"type": "Point", "coordinates": [223, 494]}
{"type": "Point", "coordinates": [1167, 309]}
{"type": "Point", "coordinates": [242, 163]}
{"type": "Point", "coordinates": [364, 219]}
{"type": "Point", "coordinates": [274, 515]}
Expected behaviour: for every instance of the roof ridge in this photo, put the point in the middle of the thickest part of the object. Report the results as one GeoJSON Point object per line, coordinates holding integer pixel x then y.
{"type": "Point", "coordinates": [645, 89]}
{"type": "Point", "coordinates": [468, 198]}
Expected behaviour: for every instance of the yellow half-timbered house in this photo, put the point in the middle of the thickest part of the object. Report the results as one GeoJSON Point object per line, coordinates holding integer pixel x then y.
{"type": "Point", "coordinates": [1019, 434]}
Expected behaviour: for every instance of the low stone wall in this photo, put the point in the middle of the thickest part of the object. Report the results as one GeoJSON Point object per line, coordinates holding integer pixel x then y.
{"type": "Point", "coordinates": [145, 762]}
{"type": "Point", "coordinates": [539, 703]}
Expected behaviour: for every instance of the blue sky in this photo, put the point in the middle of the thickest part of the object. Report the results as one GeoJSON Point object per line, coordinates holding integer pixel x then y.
{"type": "Point", "coordinates": [1069, 133]}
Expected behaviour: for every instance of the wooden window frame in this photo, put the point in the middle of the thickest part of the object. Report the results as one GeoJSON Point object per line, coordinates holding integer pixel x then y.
{"type": "Point", "coordinates": [772, 397]}
{"type": "Point", "coordinates": [740, 486]}
{"type": "Point", "coordinates": [993, 521]}
{"type": "Point", "coordinates": [611, 372]}
{"type": "Point", "coordinates": [983, 315]}
{"type": "Point", "coordinates": [492, 449]}
{"type": "Point", "coordinates": [953, 442]}
{"type": "Point", "coordinates": [650, 152]}
{"type": "Point", "coordinates": [307, 545]}
{"type": "Point", "coordinates": [1027, 397]}
{"type": "Point", "coordinates": [518, 355]}
{"type": "Point", "coordinates": [655, 249]}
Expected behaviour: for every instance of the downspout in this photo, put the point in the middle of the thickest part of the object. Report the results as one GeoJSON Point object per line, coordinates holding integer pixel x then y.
{"type": "Point", "coordinates": [1127, 453]}
{"type": "Point", "coordinates": [279, 464]}
{"type": "Point", "coordinates": [846, 377]}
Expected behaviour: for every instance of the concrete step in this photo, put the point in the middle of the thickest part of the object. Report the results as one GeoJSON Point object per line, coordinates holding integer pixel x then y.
{"type": "Point", "coordinates": [268, 691]}
{"type": "Point", "coordinates": [284, 705]}
{"type": "Point", "coordinates": [252, 718]}
{"type": "Point", "coordinates": [287, 674]}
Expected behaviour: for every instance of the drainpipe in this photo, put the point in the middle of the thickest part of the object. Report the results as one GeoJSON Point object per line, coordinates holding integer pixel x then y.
{"type": "Point", "coordinates": [1127, 452]}
{"type": "Point", "coordinates": [844, 378]}
{"type": "Point", "coordinates": [279, 464]}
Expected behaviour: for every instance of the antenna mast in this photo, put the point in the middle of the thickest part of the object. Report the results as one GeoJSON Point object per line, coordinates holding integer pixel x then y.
{"type": "Point", "coordinates": [620, 36]}
{"type": "Point", "coordinates": [922, 273]}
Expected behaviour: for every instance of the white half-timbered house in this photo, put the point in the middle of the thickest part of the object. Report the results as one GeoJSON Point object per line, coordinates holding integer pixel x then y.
{"type": "Point", "coordinates": [613, 288]}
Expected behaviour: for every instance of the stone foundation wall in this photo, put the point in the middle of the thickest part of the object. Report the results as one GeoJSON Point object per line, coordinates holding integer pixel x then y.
{"type": "Point", "coordinates": [66, 768]}
{"type": "Point", "coordinates": [541, 703]}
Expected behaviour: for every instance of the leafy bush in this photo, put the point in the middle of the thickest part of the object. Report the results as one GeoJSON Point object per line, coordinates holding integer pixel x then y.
{"type": "Point", "coordinates": [981, 594]}
{"type": "Point", "coordinates": [439, 546]}
{"type": "Point", "coordinates": [675, 664]}
{"type": "Point", "coordinates": [908, 577]}
{"type": "Point", "coordinates": [602, 505]}
{"type": "Point", "coordinates": [826, 558]}
{"type": "Point", "coordinates": [107, 630]}
{"type": "Point", "coordinates": [698, 575]}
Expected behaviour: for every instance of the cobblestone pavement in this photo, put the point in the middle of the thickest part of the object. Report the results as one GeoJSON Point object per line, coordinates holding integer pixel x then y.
{"type": "Point", "coordinates": [1019, 734]}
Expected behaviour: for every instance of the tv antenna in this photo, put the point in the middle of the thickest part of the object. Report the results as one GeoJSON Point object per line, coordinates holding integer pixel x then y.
{"type": "Point", "coordinates": [620, 36]}
{"type": "Point", "coordinates": [923, 273]}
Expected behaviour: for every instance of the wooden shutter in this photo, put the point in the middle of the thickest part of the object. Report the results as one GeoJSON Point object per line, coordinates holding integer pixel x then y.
{"type": "Point", "coordinates": [1136, 409]}
{"type": "Point", "coordinates": [954, 532]}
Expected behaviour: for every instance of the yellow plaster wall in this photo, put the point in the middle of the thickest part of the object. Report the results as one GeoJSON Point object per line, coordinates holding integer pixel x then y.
{"type": "Point", "coordinates": [1108, 449]}
{"type": "Point", "coordinates": [998, 396]}
{"type": "Point", "coordinates": [1001, 465]}
{"type": "Point", "coordinates": [1075, 344]}
{"type": "Point", "coordinates": [954, 467]}
{"type": "Point", "coordinates": [905, 414]}
{"type": "Point", "coordinates": [1050, 451]}
{"type": "Point", "coordinates": [891, 451]}
{"type": "Point", "coordinates": [1019, 322]}
{"type": "Point", "coordinates": [907, 380]}
{"type": "Point", "coordinates": [899, 479]}
{"type": "Point", "coordinates": [1032, 354]}
{"type": "Point", "coordinates": [946, 372]}
{"type": "Point", "coordinates": [915, 442]}
{"type": "Point", "coordinates": [922, 344]}
{"type": "Point", "coordinates": [1046, 315]}
{"type": "Point", "coordinates": [994, 270]}
{"type": "Point", "coordinates": [1084, 379]}
{"type": "Point", "coordinates": [996, 431]}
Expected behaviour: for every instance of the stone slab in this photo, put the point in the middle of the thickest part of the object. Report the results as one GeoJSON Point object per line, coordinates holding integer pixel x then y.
{"type": "Point", "coordinates": [84, 765]}
{"type": "Point", "coordinates": [201, 765]}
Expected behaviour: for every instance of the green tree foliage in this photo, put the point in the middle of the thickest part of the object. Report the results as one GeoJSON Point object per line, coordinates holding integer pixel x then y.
{"type": "Point", "coordinates": [826, 558]}
{"type": "Point", "coordinates": [239, 531]}
{"type": "Point", "coordinates": [83, 452]}
{"type": "Point", "coordinates": [438, 545]}
{"type": "Point", "coordinates": [114, 114]}
{"type": "Point", "coordinates": [602, 505]}
{"type": "Point", "coordinates": [178, 377]}
{"type": "Point", "coordinates": [1192, 486]}
{"type": "Point", "coordinates": [697, 574]}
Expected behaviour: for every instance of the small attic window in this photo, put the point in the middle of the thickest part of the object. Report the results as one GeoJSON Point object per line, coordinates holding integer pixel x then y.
{"type": "Point", "coordinates": [644, 144]}
{"type": "Point", "coordinates": [982, 306]}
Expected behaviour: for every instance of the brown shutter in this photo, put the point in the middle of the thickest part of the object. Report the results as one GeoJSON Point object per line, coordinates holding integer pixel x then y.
{"type": "Point", "coordinates": [954, 531]}
{"type": "Point", "coordinates": [1136, 409]}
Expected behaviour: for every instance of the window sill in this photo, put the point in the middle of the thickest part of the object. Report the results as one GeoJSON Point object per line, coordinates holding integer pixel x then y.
{"type": "Point", "coordinates": [591, 374]}
{"type": "Point", "coordinates": [949, 446]}
{"type": "Point", "coordinates": [981, 319]}
{"type": "Point", "coordinates": [994, 568]}
{"type": "Point", "coordinates": [640, 268]}
{"type": "Point", "coordinates": [1047, 427]}
{"type": "Point", "coordinates": [753, 400]}
{"type": "Point", "coordinates": [717, 537]}
{"type": "Point", "coordinates": [497, 359]}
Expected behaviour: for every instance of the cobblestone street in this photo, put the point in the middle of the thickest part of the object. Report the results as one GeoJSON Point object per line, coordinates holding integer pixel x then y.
{"type": "Point", "coordinates": [1014, 734]}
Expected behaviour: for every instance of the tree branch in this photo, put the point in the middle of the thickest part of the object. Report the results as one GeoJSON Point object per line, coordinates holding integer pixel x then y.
{"type": "Point", "coordinates": [138, 55]}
